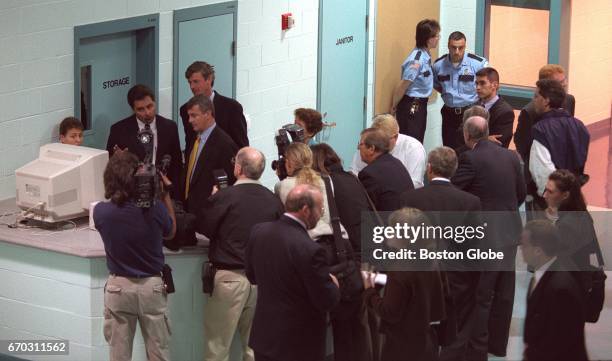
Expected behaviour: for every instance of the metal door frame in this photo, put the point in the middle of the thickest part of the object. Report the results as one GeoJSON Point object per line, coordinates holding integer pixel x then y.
{"type": "Point", "coordinates": [136, 23]}
{"type": "Point", "coordinates": [320, 59]}
{"type": "Point", "coordinates": [199, 12]}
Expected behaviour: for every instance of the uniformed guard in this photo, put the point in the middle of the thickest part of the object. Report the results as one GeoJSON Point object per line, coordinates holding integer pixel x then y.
{"type": "Point", "coordinates": [409, 102]}
{"type": "Point", "coordinates": [454, 78]}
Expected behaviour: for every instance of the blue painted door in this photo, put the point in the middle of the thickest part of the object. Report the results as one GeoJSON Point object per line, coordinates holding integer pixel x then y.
{"type": "Point", "coordinates": [343, 46]}
{"type": "Point", "coordinates": [209, 39]}
{"type": "Point", "coordinates": [112, 59]}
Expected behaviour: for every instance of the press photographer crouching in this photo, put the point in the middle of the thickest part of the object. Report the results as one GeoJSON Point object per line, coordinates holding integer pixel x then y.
{"type": "Point", "coordinates": [132, 239]}
{"type": "Point", "coordinates": [226, 219]}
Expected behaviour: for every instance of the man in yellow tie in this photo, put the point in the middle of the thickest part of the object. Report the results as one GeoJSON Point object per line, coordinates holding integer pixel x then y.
{"type": "Point", "coordinates": [211, 150]}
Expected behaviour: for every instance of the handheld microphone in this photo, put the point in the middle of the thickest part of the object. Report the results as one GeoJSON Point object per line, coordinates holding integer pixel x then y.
{"type": "Point", "coordinates": [165, 163]}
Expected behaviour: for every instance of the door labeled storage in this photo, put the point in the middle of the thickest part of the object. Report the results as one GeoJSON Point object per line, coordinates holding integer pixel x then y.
{"type": "Point", "coordinates": [110, 58]}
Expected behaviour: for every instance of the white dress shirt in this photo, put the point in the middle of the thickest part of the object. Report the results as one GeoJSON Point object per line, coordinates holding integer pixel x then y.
{"type": "Point", "coordinates": [141, 126]}
{"type": "Point", "coordinates": [407, 150]}
{"type": "Point", "coordinates": [540, 165]}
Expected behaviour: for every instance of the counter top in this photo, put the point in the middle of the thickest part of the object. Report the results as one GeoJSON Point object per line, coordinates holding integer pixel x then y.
{"type": "Point", "coordinates": [73, 238]}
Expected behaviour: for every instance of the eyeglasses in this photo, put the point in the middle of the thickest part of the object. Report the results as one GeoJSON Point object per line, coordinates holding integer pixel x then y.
{"type": "Point", "coordinates": [360, 144]}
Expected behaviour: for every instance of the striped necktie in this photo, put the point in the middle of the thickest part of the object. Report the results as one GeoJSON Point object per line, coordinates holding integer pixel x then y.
{"type": "Point", "coordinates": [191, 164]}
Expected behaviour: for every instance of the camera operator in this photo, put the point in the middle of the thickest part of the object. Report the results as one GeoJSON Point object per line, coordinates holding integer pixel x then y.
{"type": "Point", "coordinates": [227, 219]}
{"type": "Point", "coordinates": [311, 121]}
{"type": "Point", "coordinates": [132, 239]}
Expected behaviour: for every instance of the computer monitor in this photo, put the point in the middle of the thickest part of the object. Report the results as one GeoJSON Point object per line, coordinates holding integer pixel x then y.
{"type": "Point", "coordinates": [62, 183]}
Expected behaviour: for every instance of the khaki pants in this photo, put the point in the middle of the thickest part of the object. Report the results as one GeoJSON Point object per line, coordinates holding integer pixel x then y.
{"type": "Point", "coordinates": [127, 300]}
{"type": "Point", "coordinates": [231, 307]}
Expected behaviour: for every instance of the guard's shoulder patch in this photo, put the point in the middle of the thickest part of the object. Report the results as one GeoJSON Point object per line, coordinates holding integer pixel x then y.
{"type": "Point", "coordinates": [440, 58]}
{"type": "Point", "coordinates": [418, 55]}
{"type": "Point", "coordinates": [475, 57]}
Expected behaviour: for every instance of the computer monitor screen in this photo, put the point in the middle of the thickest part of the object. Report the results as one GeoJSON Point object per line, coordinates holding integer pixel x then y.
{"type": "Point", "coordinates": [62, 182]}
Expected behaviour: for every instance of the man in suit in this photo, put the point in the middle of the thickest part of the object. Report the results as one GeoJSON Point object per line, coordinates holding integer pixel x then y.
{"type": "Point", "coordinates": [123, 134]}
{"type": "Point", "coordinates": [227, 220]}
{"type": "Point", "coordinates": [523, 139]}
{"type": "Point", "coordinates": [228, 112]}
{"type": "Point", "coordinates": [294, 285]}
{"type": "Point", "coordinates": [212, 150]}
{"type": "Point", "coordinates": [501, 114]}
{"type": "Point", "coordinates": [453, 207]}
{"type": "Point", "coordinates": [554, 325]}
{"type": "Point", "coordinates": [384, 177]}
{"type": "Point", "coordinates": [493, 174]}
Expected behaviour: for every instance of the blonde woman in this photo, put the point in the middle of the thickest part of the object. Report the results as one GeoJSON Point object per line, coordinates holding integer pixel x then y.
{"type": "Point", "coordinates": [298, 163]}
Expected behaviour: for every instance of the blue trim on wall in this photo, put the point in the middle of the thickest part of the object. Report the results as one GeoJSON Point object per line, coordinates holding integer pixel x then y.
{"type": "Point", "coordinates": [481, 7]}
{"type": "Point", "coordinates": [554, 31]}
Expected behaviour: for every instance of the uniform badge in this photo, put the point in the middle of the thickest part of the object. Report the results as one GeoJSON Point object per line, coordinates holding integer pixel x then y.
{"type": "Point", "coordinates": [466, 71]}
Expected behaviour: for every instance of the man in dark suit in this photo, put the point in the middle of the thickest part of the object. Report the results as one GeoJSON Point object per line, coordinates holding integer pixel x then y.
{"type": "Point", "coordinates": [227, 220]}
{"type": "Point", "coordinates": [493, 174]}
{"type": "Point", "coordinates": [228, 112]}
{"type": "Point", "coordinates": [501, 114]}
{"type": "Point", "coordinates": [123, 134]}
{"type": "Point", "coordinates": [454, 207]}
{"type": "Point", "coordinates": [523, 138]}
{"type": "Point", "coordinates": [295, 288]}
{"type": "Point", "coordinates": [554, 325]}
{"type": "Point", "coordinates": [384, 177]}
{"type": "Point", "coordinates": [212, 150]}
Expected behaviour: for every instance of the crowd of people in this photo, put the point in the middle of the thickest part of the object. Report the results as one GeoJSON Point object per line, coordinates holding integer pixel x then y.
{"type": "Point", "coordinates": [272, 274]}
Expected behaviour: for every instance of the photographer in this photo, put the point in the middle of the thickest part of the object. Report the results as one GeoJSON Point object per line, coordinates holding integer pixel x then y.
{"type": "Point", "coordinates": [227, 219]}
{"type": "Point", "coordinates": [132, 239]}
{"type": "Point", "coordinates": [311, 121]}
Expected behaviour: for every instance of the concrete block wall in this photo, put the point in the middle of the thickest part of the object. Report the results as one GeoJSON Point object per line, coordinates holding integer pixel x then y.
{"type": "Point", "coordinates": [276, 72]}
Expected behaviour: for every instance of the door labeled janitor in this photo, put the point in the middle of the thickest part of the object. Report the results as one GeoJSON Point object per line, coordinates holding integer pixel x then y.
{"type": "Point", "coordinates": [342, 74]}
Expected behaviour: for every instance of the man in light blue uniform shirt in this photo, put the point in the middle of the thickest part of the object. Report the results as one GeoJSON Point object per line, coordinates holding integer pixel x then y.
{"type": "Point", "coordinates": [409, 102]}
{"type": "Point", "coordinates": [454, 79]}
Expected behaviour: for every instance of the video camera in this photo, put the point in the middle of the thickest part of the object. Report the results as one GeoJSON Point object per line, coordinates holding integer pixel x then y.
{"type": "Point", "coordinates": [147, 179]}
{"type": "Point", "coordinates": [286, 135]}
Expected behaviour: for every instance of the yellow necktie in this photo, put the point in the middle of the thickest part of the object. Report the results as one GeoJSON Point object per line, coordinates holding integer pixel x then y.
{"type": "Point", "coordinates": [191, 164]}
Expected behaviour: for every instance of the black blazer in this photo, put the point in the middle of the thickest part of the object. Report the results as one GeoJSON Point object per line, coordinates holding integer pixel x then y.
{"type": "Point", "coordinates": [123, 134]}
{"type": "Point", "coordinates": [351, 201]}
{"type": "Point", "coordinates": [493, 174]}
{"type": "Point", "coordinates": [228, 217]}
{"type": "Point", "coordinates": [440, 196]}
{"type": "Point", "coordinates": [554, 325]}
{"type": "Point", "coordinates": [217, 153]}
{"type": "Point", "coordinates": [294, 292]}
{"type": "Point", "coordinates": [385, 179]}
{"type": "Point", "coordinates": [501, 121]}
{"type": "Point", "coordinates": [228, 115]}
{"type": "Point", "coordinates": [412, 300]}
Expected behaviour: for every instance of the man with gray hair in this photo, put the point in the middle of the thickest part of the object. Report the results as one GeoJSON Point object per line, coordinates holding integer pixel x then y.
{"type": "Point", "coordinates": [385, 177]}
{"type": "Point", "coordinates": [493, 174]}
{"type": "Point", "coordinates": [454, 207]}
{"type": "Point", "coordinates": [296, 289]}
{"type": "Point", "coordinates": [227, 219]}
{"type": "Point", "coordinates": [407, 149]}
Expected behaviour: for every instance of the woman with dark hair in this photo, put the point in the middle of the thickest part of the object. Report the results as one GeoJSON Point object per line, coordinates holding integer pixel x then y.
{"type": "Point", "coordinates": [567, 210]}
{"type": "Point", "coordinates": [409, 103]}
{"type": "Point", "coordinates": [132, 237]}
{"type": "Point", "coordinates": [349, 319]}
{"type": "Point", "coordinates": [311, 121]}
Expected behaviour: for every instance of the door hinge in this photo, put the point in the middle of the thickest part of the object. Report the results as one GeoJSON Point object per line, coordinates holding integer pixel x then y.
{"type": "Point", "coordinates": [233, 50]}
{"type": "Point", "coordinates": [365, 104]}
{"type": "Point", "coordinates": [367, 23]}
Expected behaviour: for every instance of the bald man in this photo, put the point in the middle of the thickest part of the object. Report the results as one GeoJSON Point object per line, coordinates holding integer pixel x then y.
{"type": "Point", "coordinates": [295, 288]}
{"type": "Point", "coordinates": [493, 174]}
{"type": "Point", "coordinates": [227, 220]}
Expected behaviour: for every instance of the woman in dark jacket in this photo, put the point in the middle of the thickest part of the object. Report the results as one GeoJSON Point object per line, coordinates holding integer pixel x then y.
{"type": "Point", "coordinates": [349, 319]}
{"type": "Point", "coordinates": [412, 300]}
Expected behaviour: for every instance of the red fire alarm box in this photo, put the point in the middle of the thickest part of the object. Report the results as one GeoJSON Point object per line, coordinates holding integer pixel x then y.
{"type": "Point", "coordinates": [287, 21]}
